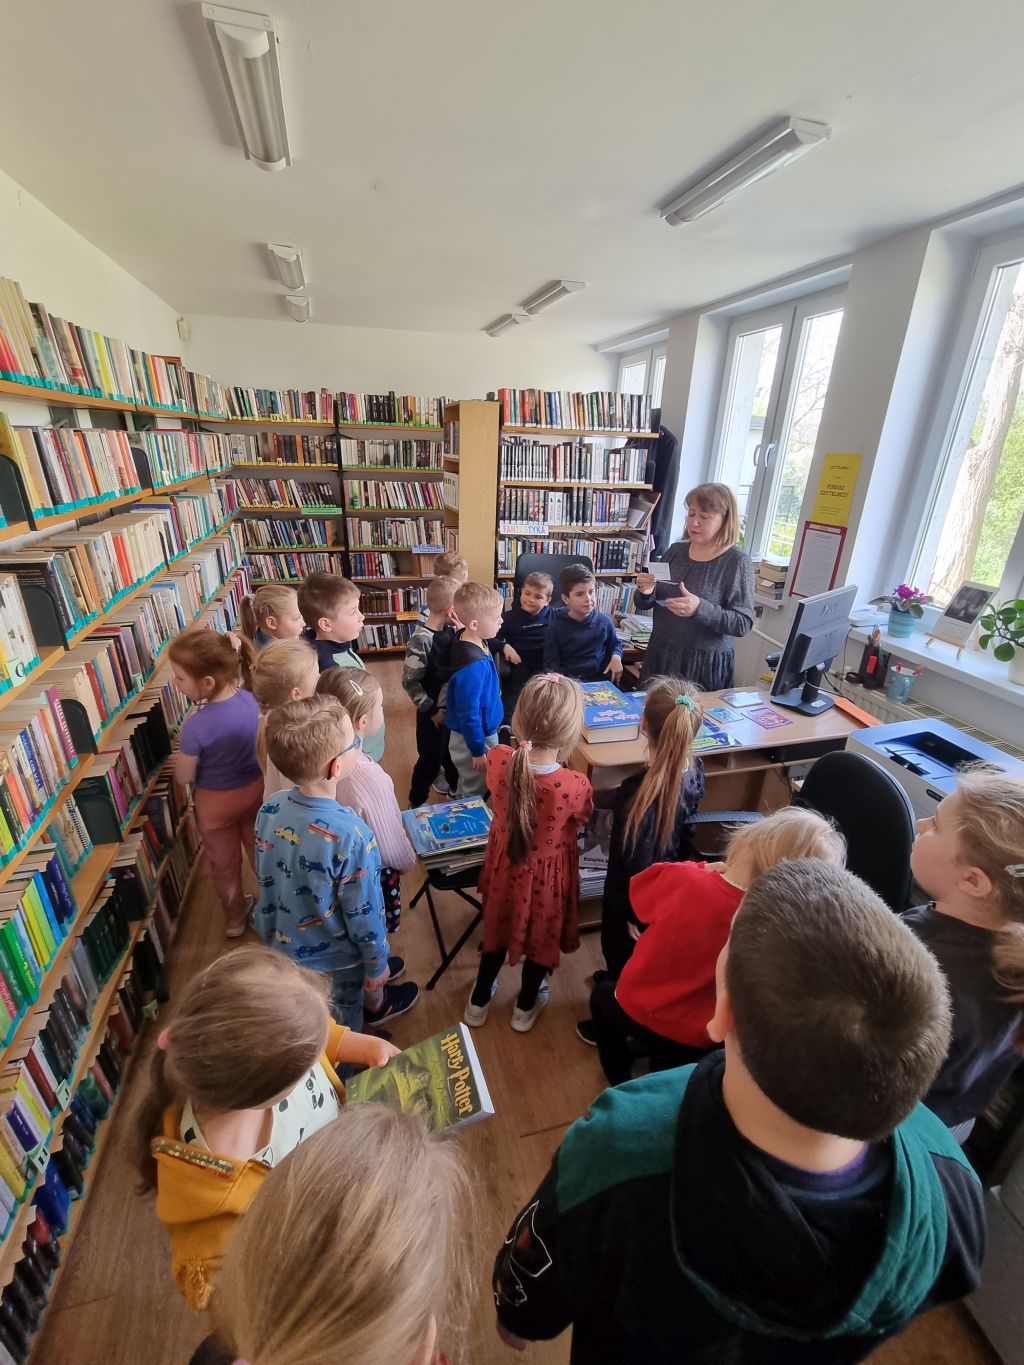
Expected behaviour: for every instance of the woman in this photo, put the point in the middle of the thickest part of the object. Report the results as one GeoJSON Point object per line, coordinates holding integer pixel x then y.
{"type": "Point", "coordinates": [710, 599]}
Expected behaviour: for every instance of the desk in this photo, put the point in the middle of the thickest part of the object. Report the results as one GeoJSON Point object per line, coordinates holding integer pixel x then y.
{"type": "Point", "coordinates": [751, 777]}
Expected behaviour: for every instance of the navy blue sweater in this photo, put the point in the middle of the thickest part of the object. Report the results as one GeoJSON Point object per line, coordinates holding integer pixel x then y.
{"type": "Point", "coordinates": [580, 649]}
{"type": "Point", "coordinates": [526, 633]}
{"type": "Point", "coordinates": [473, 701]}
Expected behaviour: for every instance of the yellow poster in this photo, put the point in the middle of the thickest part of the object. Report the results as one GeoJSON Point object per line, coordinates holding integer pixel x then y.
{"type": "Point", "coordinates": [834, 498]}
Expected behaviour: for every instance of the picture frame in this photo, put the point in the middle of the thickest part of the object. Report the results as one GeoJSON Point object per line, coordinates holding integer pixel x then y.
{"type": "Point", "coordinates": [961, 615]}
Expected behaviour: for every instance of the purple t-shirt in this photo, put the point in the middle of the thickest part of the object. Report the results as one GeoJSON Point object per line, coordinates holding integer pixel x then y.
{"type": "Point", "coordinates": [222, 735]}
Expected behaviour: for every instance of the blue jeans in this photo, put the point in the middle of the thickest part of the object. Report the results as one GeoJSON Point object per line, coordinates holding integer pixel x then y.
{"type": "Point", "coordinates": [347, 997]}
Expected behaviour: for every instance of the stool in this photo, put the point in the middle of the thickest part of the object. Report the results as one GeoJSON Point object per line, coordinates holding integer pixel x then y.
{"type": "Point", "coordinates": [459, 882]}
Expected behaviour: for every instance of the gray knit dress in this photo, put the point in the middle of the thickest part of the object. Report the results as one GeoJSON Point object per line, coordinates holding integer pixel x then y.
{"type": "Point", "coordinates": [699, 647]}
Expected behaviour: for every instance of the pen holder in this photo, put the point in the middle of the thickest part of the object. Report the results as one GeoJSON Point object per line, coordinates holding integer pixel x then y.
{"type": "Point", "coordinates": [899, 685]}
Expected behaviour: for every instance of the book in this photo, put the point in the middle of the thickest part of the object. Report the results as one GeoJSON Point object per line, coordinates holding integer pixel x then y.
{"type": "Point", "coordinates": [767, 717]}
{"type": "Point", "coordinates": [741, 698]}
{"type": "Point", "coordinates": [439, 831]}
{"type": "Point", "coordinates": [609, 714]}
{"type": "Point", "coordinates": [439, 1078]}
{"type": "Point", "coordinates": [712, 737]}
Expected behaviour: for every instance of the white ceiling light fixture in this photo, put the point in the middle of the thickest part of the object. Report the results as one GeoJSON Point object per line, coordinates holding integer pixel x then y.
{"type": "Point", "coordinates": [246, 47]}
{"type": "Point", "coordinates": [780, 145]}
{"type": "Point", "coordinates": [299, 306]}
{"type": "Point", "coordinates": [288, 264]}
{"type": "Point", "coordinates": [503, 323]}
{"type": "Point", "coordinates": [551, 293]}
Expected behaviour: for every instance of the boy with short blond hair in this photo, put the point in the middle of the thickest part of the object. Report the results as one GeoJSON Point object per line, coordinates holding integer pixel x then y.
{"type": "Point", "coordinates": [581, 641]}
{"type": "Point", "coordinates": [429, 645]}
{"type": "Point", "coordinates": [448, 565]}
{"type": "Point", "coordinates": [789, 1199]}
{"type": "Point", "coordinates": [524, 628]}
{"type": "Point", "coordinates": [330, 608]}
{"type": "Point", "coordinates": [473, 698]}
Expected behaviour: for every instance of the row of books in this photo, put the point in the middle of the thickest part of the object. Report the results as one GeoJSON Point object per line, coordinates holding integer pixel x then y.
{"type": "Point", "coordinates": [286, 566]}
{"type": "Point", "coordinates": [39, 912]}
{"type": "Point", "coordinates": [385, 601]}
{"type": "Point", "coordinates": [770, 579]}
{"type": "Point", "coordinates": [171, 456]}
{"type": "Point", "coordinates": [390, 454]}
{"type": "Point", "coordinates": [69, 836]}
{"type": "Point", "coordinates": [18, 652]}
{"type": "Point", "coordinates": [420, 534]}
{"type": "Point", "coordinates": [261, 494]}
{"type": "Point", "coordinates": [374, 565]}
{"type": "Point", "coordinates": [533, 510]}
{"type": "Point", "coordinates": [286, 535]}
{"type": "Point", "coordinates": [188, 519]}
{"type": "Point", "coordinates": [597, 411]}
{"type": "Point", "coordinates": [281, 405]}
{"type": "Point", "coordinates": [109, 795]}
{"type": "Point", "coordinates": [391, 636]}
{"type": "Point", "coordinates": [389, 409]}
{"type": "Point", "coordinates": [64, 467]}
{"type": "Point", "coordinates": [450, 490]}
{"type": "Point", "coordinates": [570, 462]}
{"type": "Point", "coordinates": [280, 447]}
{"type": "Point", "coordinates": [389, 494]}
{"type": "Point", "coordinates": [606, 555]}
{"type": "Point", "coordinates": [37, 755]}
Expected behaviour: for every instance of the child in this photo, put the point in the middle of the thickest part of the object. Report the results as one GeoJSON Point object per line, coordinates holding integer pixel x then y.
{"type": "Point", "coordinates": [448, 565]}
{"type": "Point", "coordinates": [421, 677]}
{"type": "Point", "coordinates": [652, 811]}
{"type": "Point", "coordinates": [786, 1200]}
{"type": "Point", "coordinates": [217, 751]}
{"type": "Point", "coordinates": [285, 671]}
{"type": "Point", "coordinates": [970, 857]}
{"type": "Point", "coordinates": [330, 608]}
{"type": "Point", "coordinates": [581, 641]}
{"type": "Point", "coordinates": [245, 1070]}
{"type": "Point", "coordinates": [473, 700]}
{"type": "Point", "coordinates": [271, 613]}
{"type": "Point", "coordinates": [368, 790]}
{"type": "Point", "coordinates": [318, 866]}
{"type": "Point", "coordinates": [666, 993]}
{"type": "Point", "coordinates": [530, 882]}
{"type": "Point", "coordinates": [524, 629]}
{"type": "Point", "coordinates": [372, 1270]}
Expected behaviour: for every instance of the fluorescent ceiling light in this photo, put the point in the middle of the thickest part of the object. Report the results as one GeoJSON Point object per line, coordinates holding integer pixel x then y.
{"type": "Point", "coordinates": [502, 324]}
{"type": "Point", "coordinates": [778, 147]}
{"type": "Point", "coordinates": [551, 293]}
{"type": "Point", "coordinates": [246, 47]}
{"type": "Point", "coordinates": [288, 264]}
{"type": "Point", "coordinates": [298, 306]}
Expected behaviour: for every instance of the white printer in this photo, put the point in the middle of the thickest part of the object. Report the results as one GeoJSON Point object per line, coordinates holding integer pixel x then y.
{"type": "Point", "coordinates": [924, 756]}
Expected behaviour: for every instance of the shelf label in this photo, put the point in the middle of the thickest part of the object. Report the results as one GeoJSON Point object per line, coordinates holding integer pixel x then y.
{"type": "Point", "coordinates": [63, 1093]}
{"type": "Point", "coordinates": [39, 1156]}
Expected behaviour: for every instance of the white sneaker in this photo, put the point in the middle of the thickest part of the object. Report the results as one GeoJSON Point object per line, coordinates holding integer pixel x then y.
{"type": "Point", "coordinates": [476, 1015]}
{"type": "Point", "coordinates": [440, 785]}
{"type": "Point", "coordinates": [524, 1020]}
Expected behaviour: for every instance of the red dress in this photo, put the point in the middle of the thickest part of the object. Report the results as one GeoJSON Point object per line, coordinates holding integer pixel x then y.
{"type": "Point", "coordinates": [531, 909]}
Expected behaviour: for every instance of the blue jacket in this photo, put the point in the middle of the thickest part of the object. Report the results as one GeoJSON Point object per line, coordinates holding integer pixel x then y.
{"type": "Point", "coordinates": [526, 633]}
{"type": "Point", "coordinates": [473, 703]}
{"type": "Point", "coordinates": [580, 649]}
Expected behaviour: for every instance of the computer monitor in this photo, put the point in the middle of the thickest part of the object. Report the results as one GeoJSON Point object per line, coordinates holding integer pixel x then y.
{"type": "Point", "coordinates": [817, 635]}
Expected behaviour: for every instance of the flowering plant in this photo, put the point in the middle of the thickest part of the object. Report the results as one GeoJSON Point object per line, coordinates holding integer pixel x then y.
{"type": "Point", "coordinates": [904, 598]}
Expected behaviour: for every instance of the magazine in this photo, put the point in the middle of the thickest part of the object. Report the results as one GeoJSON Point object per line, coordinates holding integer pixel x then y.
{"type": "Point", "coordinates": [439, 832]}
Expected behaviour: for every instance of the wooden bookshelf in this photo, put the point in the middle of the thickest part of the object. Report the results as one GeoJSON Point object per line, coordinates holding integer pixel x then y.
{"type": "Point", "coordinates": [15, 531]}
{"type": "Point", "coordinates": [39, 393]}
{"type": "Point", "coordinates": [577, 483]}
{"type": "Point", "coordinates": [474, 520]}
{"type": "Point", "coordinates": [562, 432]}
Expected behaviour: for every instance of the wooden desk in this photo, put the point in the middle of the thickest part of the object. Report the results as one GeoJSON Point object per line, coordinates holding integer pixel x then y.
{"type": "Point", "coordinates": [753, 776]}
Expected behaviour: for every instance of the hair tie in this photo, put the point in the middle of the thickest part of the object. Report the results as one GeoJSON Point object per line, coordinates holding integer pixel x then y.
{"type": "Point", "coordinates": [551, 677]}
{"type": "Point", "coordinates": [685, 701]}
{"type": "Point", "coordinates": [233, 641]}
{"type": "Point", "coordinates": [1015, 869]}
{"type": "Point", "coordinates": [162, 1040]}
{"type": "Point", "coordinates": [525, 744]}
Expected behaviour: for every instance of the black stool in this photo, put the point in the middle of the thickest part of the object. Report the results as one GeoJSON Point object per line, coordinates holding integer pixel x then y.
{"type": "Point", "coordinates": [459, 882]}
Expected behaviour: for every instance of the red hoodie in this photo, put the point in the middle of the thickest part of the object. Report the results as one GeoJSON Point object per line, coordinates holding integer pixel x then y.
{"type": "Point", "coordinates": [668, 985]}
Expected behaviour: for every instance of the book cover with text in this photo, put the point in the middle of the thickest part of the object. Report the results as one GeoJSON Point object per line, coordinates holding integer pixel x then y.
{"type": "Point", "coordinates": [439, 1078]}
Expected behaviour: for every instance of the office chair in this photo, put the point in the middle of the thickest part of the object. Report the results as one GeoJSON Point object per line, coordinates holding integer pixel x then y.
{"type": "Point", "coordinates": [549, 564]}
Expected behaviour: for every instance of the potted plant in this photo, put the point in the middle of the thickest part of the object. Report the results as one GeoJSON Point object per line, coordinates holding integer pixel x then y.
{"type": "Point", "coordinates": [906, 607]}
{"type": "Point", "coordinates": [1002, 628]}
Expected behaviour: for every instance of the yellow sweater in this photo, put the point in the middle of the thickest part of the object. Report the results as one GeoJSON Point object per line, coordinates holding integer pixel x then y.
{"type": "Point", "coordinates": [200, 1195]}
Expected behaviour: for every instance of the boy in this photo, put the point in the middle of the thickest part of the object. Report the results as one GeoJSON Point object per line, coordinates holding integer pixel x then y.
{"type": "Point", "coordinates": [318, 868]}
{"type": "Point", "coordinates": [449, 565]}
{"type": "Point", "coordinates": [524, 628]}
{"type": "Point", "coordinates": [429, 642]}
{"type": "Point", "coordinates": [473, 699]}
{"type": "Point", "coordinates": [581, 641]}
{"type": "Point", "coordinates": [330, 608]}
{"type": "Point", "coordinates": [788, 1200]}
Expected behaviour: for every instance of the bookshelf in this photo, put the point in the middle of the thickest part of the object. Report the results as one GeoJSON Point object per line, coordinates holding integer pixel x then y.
{"type": "Point", "coordinates": [470, 453]}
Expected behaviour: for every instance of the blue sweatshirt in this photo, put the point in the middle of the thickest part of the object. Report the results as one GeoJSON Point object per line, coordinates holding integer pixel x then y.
{"type": "Point", "coordinates": [526, 633]}
{"type": "Point", "coordinates": [474, 707]}
{"type": "Point", "coordinates": [580, 649]}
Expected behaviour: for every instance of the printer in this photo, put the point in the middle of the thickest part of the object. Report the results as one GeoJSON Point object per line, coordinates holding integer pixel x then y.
{"type": "Point", "coordinates": [924, 756]}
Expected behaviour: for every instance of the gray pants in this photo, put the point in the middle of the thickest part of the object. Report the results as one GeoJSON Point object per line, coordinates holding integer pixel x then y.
{"type": "Point", "coordinates": [471, 783]}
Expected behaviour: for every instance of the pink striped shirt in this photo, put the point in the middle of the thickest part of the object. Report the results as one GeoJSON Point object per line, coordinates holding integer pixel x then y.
{"type": "Point", "coordinates": [371, 794]}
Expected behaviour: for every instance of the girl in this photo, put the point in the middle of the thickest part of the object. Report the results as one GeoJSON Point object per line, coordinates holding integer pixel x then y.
{"type": "Point", "coordinates": [710, 598]}
{"type": "Point", "coordinates": [530, 882]}
{"type": "Point", "coordinates": [245, 1072]}
{"type": "Point", "coordinates": [368, 789]}
{"type": "Point", "coordinates": [217, 751]}
{"type": "Point", "coordinates": [970, 856]}
{"type": "Point", "coordinates": [373, 1269]}
{"type": "Point", "coordinates": [666, 993]}
{"type": "Point", "coordinates": [271, 613]}
{"type": "Point", "coordinates": [285, 671]}
{"type": "Point", "coordinates": [652, 810]}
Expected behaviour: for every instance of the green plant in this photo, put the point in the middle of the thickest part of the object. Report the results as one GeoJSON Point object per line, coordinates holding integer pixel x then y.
{"type": "Point", "coordinates": [1004, 623]}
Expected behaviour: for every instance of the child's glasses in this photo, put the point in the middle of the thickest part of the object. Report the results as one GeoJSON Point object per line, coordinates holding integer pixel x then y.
{"type": "Point", "coordinates": [357, 743]}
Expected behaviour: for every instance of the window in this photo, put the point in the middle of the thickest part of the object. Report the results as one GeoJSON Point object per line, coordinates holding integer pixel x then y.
{"type": "Point", "coordinates": [778, 366]}
{"type": "Point", "coordinates": [974, 523]}
{"type": "Point", "coordinates": [643, 372]}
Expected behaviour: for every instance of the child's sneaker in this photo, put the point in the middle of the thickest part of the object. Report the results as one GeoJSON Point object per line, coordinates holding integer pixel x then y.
{"type": "Point", "coordinates": [396, 966]}
{"type": "Point", "coordinates": [397, 1000]}
{"type": "Point", "coordinates": [586, 1032]}
{"type": "Point", "coordinates": [524, 1020]}
{"type": "Point", "coordinates": [440, 785]}
{"type": "Point", "coordinates": [476, 1015]}
{"type": "Point", "coordinates": [237, 930]}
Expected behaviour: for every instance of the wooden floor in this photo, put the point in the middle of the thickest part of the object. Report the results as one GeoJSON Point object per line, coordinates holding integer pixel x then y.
{"type": "Point", "coordinates": [115, 1304]}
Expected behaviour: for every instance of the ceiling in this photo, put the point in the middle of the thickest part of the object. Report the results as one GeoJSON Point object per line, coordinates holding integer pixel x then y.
{"type": "Point", "coordinates": [452, 157]}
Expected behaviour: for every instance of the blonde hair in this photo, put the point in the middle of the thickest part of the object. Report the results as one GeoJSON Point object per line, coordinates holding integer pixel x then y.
{"type": "Point", "coordinates": [322, 594]}
{"type": "Point", "coordinates": [349, 1249]}
{"type": "Point", "coordinates": [672, 725]}
{"type": "Point", "coordinates": [548, 714]}
{"type": "Point", "coordinates": [355, 688]}
{"type": "Point", "coordinates": [473, 598]}
{"type": "Point", "coordinates": [273, 599]}
{"type": "Point", "coordinates": [279, 669]}
{"type": "Point", "coordinates": [794, 833]}
{"type": "Point", "coordinates": [542, 581]}
{"type": "Point", "coordinates": [247, 1030]}
{"type": "Point", "coordinates": [303, 736]}
{"type": "Point", "coordinates": [718, 497]}
{"type": "Point", "coordinates": [205, 654]}
{"type": "Point", "coordinates": [441, 593]}
{"type": "Point", "coordinates": [990, 829]}
{"type": "Point", "coordinates": [451, 565]}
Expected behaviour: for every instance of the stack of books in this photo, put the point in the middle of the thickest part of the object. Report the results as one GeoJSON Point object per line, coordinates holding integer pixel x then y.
{"type": "Point", "coordinates": [451, 835]}
{"type": "Point", "coordinates": [570, 462]}
{"type": "Point", "coordinates": [597, 411]}
{"type": "Point", "coordinates": [770, 578]}
{"type": "Point", "coordinates": [278, 447]}
{"type": "Point", "coordinates": [389, 601]}
{"type": "Point", "coordinates": [375, 566]}
{"type": "Point", "coordinates": [277, 495]}
{"type": "Point", "coordinates": [390, 454]}
{"type": "Point", "coordinates": [278, 405]}
{"type": "Point", "coordinates": [389, 409]}
{"type": "Point", "coordinates": [390, 495]}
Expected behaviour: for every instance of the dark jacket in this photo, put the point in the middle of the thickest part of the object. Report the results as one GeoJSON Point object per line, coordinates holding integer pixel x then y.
{"type": "Point", "coordinates": [580, 649]}
{"type": "Point", "coordinates": [661, 1235]}
{"type": "Point", "coordinates": [526, 634]}
{"type": "Point", "coordinates": [623, 863]}
{"type": "Point", "coordinates": [327, 649]}
{"type": "Point", "coordinates": [473, 699]}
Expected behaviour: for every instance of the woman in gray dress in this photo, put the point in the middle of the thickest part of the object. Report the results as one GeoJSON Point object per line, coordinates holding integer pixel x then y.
{"type": "Point", "coordinates": [710, 599]}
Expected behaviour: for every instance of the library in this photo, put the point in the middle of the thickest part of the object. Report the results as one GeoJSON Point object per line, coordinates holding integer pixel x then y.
{"type": "Point", "coordinates": [567, 465]}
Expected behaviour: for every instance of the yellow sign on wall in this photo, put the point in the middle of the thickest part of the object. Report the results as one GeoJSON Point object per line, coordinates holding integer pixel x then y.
{"type": "Point", "coordinates": [834, 498]}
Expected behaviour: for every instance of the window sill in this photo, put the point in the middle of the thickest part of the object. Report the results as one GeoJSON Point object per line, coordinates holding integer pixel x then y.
{"type": "Point", "coordinates": [974, 668]}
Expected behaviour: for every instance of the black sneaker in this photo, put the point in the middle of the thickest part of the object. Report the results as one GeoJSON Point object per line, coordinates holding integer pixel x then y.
{"type": "Point", "coordinates": [601, 975]}
{"type": "Point", "coordinates": [396, 966]}
{"type": "Point", "coordinates": [397, 1000]}
{"type": "Point", "coordinates": [586, 1032]}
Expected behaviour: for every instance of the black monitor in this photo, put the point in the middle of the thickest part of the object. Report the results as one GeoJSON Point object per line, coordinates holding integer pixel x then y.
{"type": "Point", "coordinates": [817, 635]}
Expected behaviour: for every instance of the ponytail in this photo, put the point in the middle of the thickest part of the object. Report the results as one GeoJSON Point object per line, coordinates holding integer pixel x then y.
{"type": "Point", "coordinates": [522, 806]}
{"type": "Point", "coordinates": [148, 1119]}
{"type": "Point", "coordinates": [673, 716]}
{"type": "Point", "coordinates": [206, 654]}
{"type": "Point", "coordinates": [273, 599]}
{"type": "Point", "coordinates": [549, 714]}
{"type": "Point", "coordinates": [247, 621]}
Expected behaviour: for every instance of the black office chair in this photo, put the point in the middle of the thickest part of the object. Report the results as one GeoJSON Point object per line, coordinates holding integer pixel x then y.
{"type": "Point", "coordinates": [549, 564]}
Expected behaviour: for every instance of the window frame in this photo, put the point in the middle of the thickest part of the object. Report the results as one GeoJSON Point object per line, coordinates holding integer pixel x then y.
{"type": "Point", "coordinates": [650, 355]}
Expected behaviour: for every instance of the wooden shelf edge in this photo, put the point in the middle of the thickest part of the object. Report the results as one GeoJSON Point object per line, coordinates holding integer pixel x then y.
{"type": "Point", "coordinates": [582, 435]}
